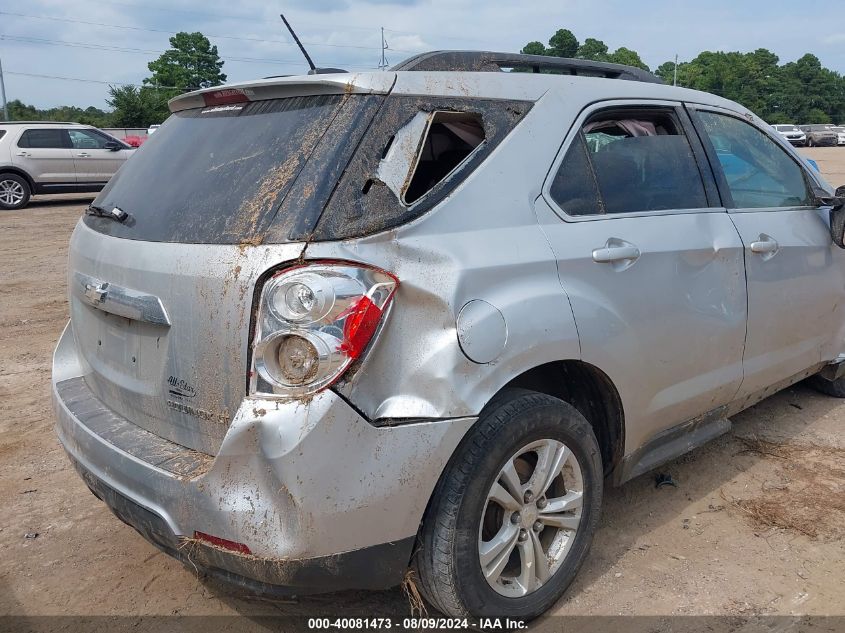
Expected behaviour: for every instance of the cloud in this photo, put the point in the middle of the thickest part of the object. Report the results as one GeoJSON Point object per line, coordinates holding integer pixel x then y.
{"type": "Point", "coordinates": [346, 34]}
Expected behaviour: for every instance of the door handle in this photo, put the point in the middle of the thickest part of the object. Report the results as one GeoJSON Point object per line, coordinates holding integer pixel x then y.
{"type": "Point", "coordinates": [764, 245]}
{"type": "Point", "coordinates": [615, 253]}
{"type": "Point", "coordinates": [84, 155]}
{"type": "Point", "coordinates": [24, 154]}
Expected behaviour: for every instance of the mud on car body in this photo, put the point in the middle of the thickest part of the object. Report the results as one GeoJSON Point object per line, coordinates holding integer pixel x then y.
{"type": "Point", "coordinates": [350, 322]}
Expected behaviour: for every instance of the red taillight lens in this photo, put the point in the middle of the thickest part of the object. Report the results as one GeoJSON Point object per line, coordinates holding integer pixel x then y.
{"type": "Point", "coordinates": [225, 543]}
{"type": "Point", "coordinates": [313, 322]}
{"type": "Point", "coordinates": [225, 96]}
{"type": "Point", "coordinates": [360, 326]}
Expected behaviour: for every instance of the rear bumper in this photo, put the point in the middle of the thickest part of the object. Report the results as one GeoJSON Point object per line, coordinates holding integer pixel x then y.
{"type": "Point", "coordinates": [376, 567]}
{"type": "Point", "coordinates": [312, 489]}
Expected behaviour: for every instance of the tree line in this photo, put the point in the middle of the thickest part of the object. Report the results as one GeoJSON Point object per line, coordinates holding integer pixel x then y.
{"type": "Point", "coordinates": [802, 91]}
{"type": "Point", "coordinates": [190, 63]}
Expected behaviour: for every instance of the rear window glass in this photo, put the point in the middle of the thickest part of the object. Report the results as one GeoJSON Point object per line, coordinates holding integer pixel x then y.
{"type": "Point", "coordinates": [216, 174]}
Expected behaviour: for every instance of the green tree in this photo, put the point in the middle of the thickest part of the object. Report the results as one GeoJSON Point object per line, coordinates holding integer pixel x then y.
{"type": "Point", "coordinates": [802, 91]}
{"type": "Point", "coordinates": [20, 111]}
{"type": "Point", "coordinates": [593, 49]}
{"type": "Point", "coordinates": [191, 63]}
{"type": "Point", "coordinates": [626, 56]}
{"type": "Point", "coordinates": [533, 48]}
{"type": "Point", "coordinates": [815, 115]}
{"type": "Point", "coordinates": [563, 44]}
{"type": "Point", "coordinates": [136, 107]}
{"type": "Point", "coordinates": [666, 71]}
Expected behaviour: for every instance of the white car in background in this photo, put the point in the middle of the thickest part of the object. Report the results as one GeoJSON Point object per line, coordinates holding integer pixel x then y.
{"type": "Point", "coordinates": [791, 133]}
{"type": "Point", "coordinates": [840, 133]}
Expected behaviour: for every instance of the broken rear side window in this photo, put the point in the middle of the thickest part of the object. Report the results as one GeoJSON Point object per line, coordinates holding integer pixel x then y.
{"type": "Point", "coordinates": [449, 140]}
{"type": "Point", "coordinates": [417, 150]}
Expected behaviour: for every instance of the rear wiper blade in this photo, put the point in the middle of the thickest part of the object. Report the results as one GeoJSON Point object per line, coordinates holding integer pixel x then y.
{"type": "Point", "coordinates": [116, 213]}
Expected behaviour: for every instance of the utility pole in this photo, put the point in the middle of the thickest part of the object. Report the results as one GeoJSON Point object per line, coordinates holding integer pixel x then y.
{"type": "Point", "coordinates": [675, 80]}
{"type": "Point", "coordinates": [383, 63]}
{"type": "Point", "coordinates": [3, 94]}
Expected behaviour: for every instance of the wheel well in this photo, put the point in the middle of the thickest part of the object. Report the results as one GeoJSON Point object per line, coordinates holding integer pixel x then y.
{"type": "Point", "coordinates": [589, 390]}
{"type": "Point", "coordinates": [21, 173]}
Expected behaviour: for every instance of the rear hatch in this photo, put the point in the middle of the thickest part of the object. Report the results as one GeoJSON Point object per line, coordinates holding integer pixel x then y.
{"type": "Point", "coordinates": [161, 302]}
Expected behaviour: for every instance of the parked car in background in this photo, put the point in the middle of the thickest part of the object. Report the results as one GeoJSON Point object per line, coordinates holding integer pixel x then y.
{"type": "Point", "coordinates": [329, 327]}
{"type": "Point", "coordinates": [791, 133]}
{"type": "Point", "coordinates": [840, 134]}
{"type": "Point", "coordinates": [135, 140]}
{"type": "Point", "coordinates": [153, 128]}
{"type": "Point", "coordinates": [40, 157]}
{"type": "Point", "coordinates": [819, 135]}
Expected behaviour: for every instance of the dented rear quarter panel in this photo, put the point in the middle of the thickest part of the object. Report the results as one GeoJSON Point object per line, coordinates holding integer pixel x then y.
{"type": "Point", "coordinates": [481, 242]}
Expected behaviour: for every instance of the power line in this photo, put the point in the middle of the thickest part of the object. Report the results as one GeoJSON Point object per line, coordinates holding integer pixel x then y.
{"type": "Point", "coordinates": [96, 81]}
{"type": "Point", "coordinates": [124, 49]}
{"type": "Point", "coordinates": [223, 37]}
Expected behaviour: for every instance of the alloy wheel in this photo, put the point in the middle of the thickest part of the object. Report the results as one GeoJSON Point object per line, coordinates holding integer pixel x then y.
{"type": "Point", "coordinates": [530, 518]}
{"type": "Point", "coordinates": [11, 192]}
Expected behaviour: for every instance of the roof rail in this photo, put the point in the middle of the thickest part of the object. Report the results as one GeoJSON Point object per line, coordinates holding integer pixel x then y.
{"type": "Point", "coordinates": [38, 122]}
{"type": "Point", "coordinates": [487, 61]}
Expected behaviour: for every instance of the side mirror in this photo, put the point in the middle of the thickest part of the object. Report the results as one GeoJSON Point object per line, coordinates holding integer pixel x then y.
{"type": "Point", "coordinates": [837, 217]}
{"type": "Point", "coordinates": [112, 146]}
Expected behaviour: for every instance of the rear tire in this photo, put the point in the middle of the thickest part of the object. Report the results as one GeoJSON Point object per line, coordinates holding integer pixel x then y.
{"type": "Point", "coordinates": [14, 192]}
{"type": "Point", "coordinates": [466, 522]}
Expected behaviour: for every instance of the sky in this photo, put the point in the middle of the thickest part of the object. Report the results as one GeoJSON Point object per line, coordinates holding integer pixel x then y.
{"type": "Point", "coordinates": [111, 41]}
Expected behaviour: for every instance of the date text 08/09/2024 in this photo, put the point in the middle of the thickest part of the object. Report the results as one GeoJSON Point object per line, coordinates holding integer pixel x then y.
{"type": "Point", "coordinates": [411, 623]}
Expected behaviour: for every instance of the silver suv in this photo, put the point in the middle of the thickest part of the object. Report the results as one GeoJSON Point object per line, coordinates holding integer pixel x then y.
{"type": "Point", "coordinates": [47, 157]}
{"type": "Point", "coordinates": [325, 329]}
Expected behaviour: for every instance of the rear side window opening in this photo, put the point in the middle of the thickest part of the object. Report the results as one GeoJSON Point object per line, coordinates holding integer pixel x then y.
{"type": "Point", "coordinates": [426, 151]}
{"type": "Point", "coordinates": [418, 149]}
{"type": "Point", "coordinates": [450, 138]}
{"type": "Point", "coordinates": [626, 162]}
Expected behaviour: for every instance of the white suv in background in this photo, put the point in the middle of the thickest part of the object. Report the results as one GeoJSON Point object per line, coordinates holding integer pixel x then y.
{"type": "Point", "coordinates": [49, 157]}
{"type": "Point", "coordinates": [791, 133]}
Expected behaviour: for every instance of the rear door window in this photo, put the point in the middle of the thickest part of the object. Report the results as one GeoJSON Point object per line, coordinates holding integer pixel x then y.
{"type": "Point", "coordinates": [628, 161]}
{"type": "Point", "coordinates": [44, 138]}
{"type": "Point", "coordinates": [758, 171]}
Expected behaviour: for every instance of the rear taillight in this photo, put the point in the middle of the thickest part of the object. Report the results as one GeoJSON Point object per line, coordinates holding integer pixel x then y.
{"type": "Point", "coordinates": [313, 321]}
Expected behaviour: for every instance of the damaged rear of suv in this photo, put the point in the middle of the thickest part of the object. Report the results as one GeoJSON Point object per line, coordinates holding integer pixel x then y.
{"type": "Point", "coordinates": [325, 328]}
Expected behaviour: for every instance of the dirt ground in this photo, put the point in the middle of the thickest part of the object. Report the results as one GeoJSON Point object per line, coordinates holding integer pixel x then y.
{"type": "Point", "coordinates": [756, 524]}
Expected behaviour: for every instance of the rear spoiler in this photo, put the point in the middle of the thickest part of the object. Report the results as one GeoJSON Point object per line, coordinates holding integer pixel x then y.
{"type": "Point", "coordinates": [282, 87]}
